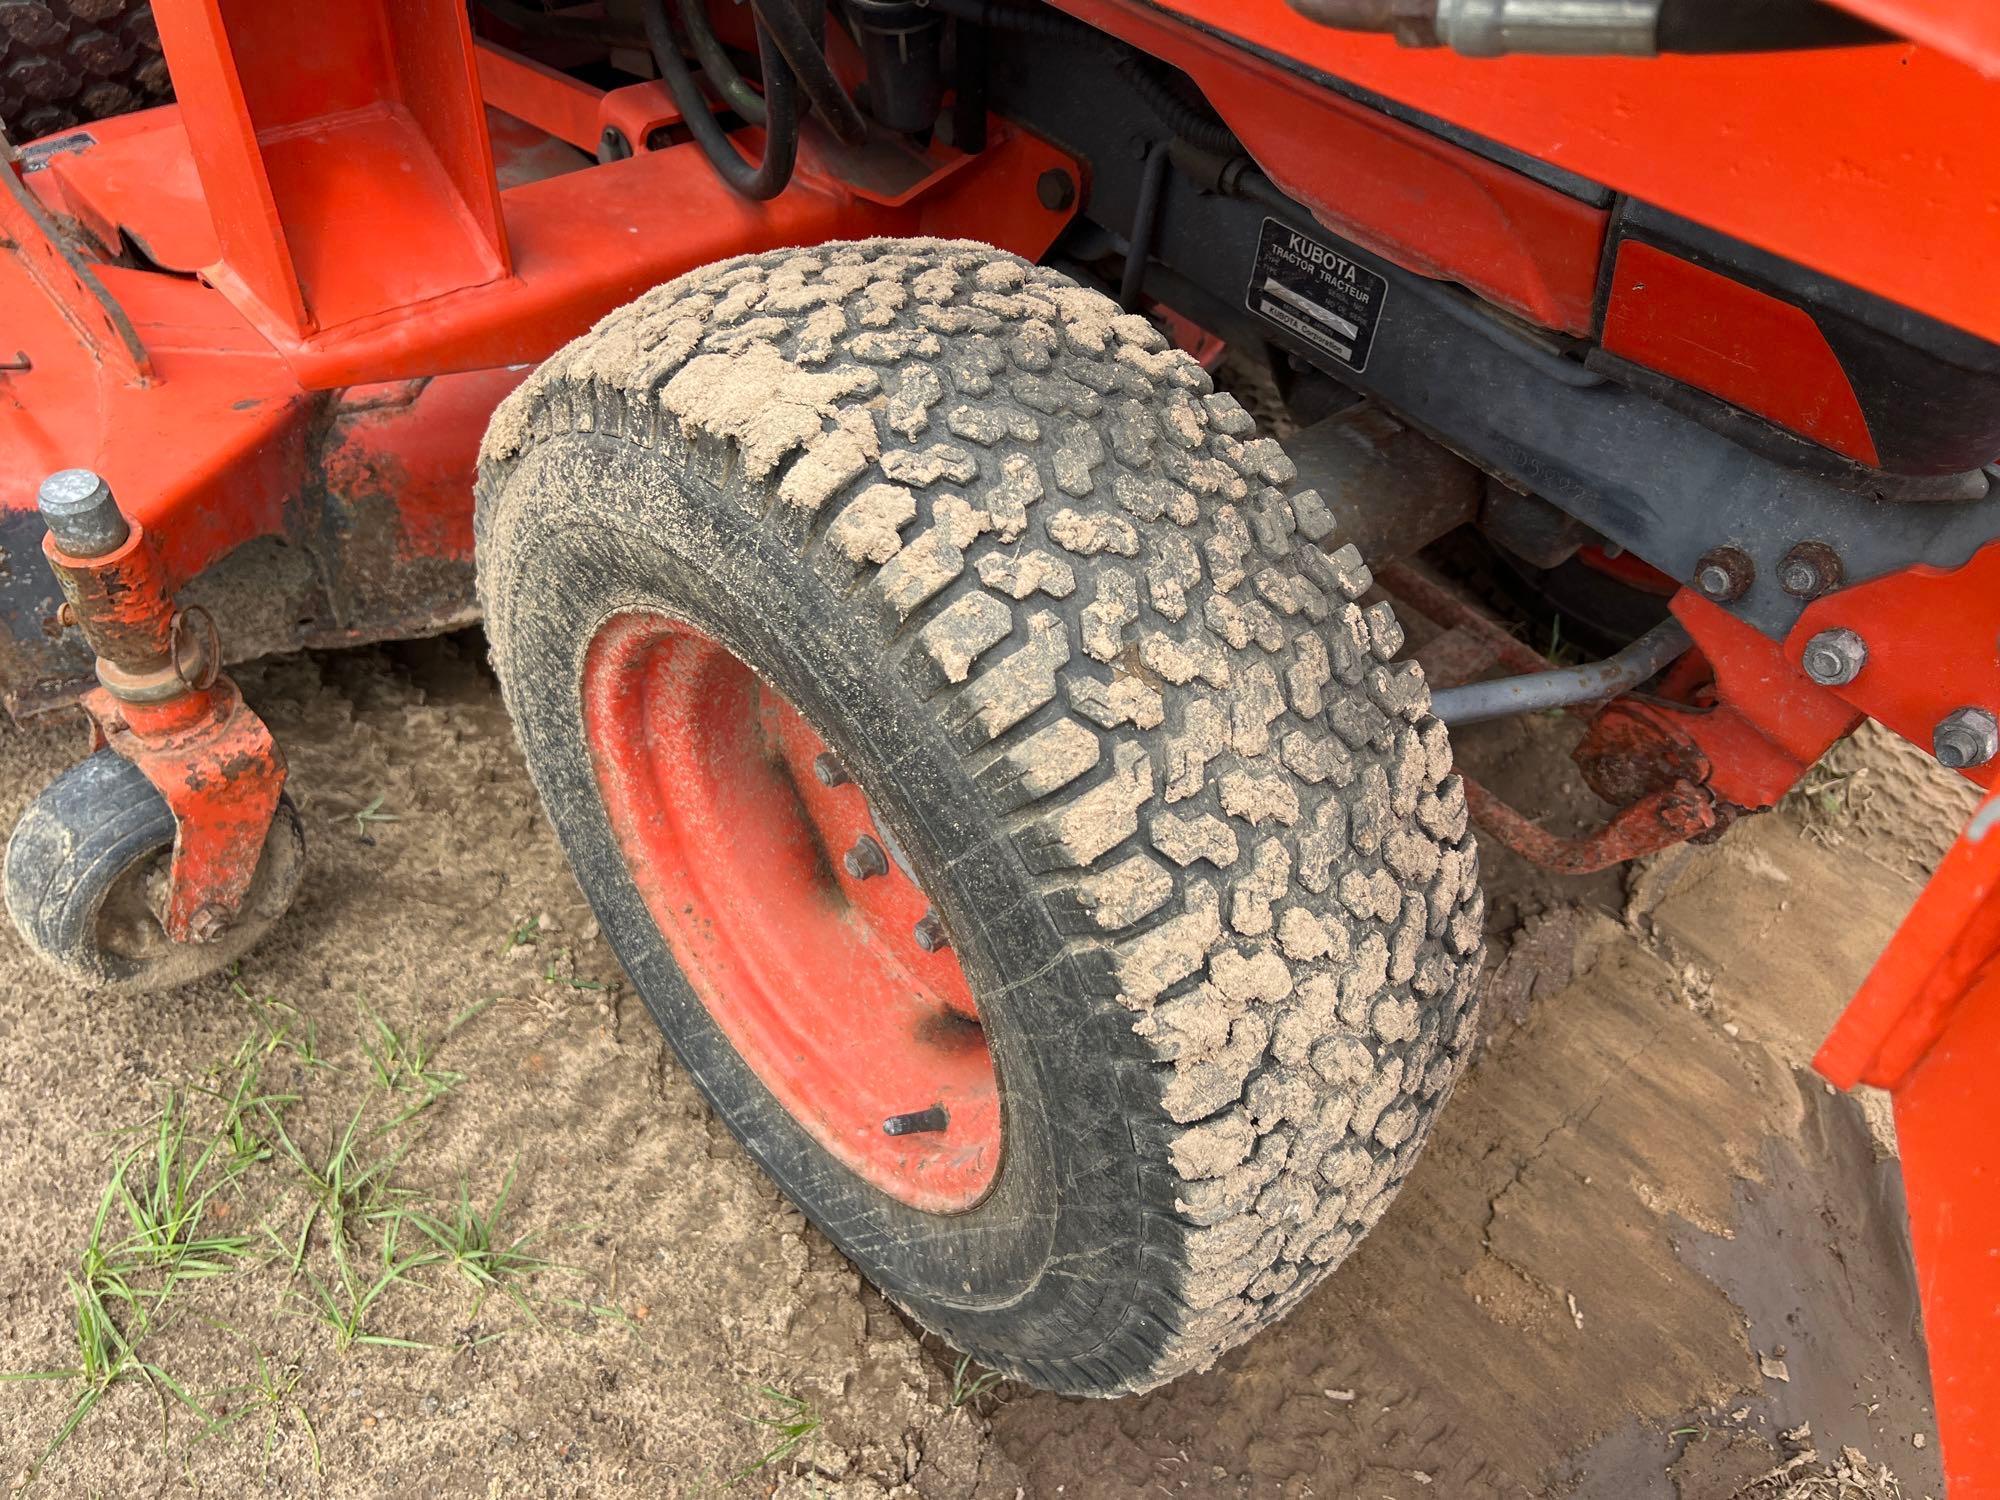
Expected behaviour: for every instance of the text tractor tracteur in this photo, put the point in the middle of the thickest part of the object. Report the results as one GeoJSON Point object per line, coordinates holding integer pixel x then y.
{"type": "Point", "coordinates": [995, 763]}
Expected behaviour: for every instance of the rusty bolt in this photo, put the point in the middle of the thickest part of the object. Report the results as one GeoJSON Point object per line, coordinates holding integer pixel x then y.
{"type": "Point", "coordinates": [865, 860]}
{"type": "Point", "coordinates": [1834, 658]}
{"type": "Point", "coordinates": [1809, 570]}
{"type": "Point", "coordinates": [207, 923]}
{"type": "Point", "coordinates": [81, 514]}
{"type": "Point", "coordinates": [1724, 573]}
{"type": "Point", "coordinates": [1055, 189]}
{"type": "Point", "coordinates": [828, 770]}
{"type": "Point", "coordinates": [1966, 737]}
{"type": "Point", "coordinates": [930, 933]}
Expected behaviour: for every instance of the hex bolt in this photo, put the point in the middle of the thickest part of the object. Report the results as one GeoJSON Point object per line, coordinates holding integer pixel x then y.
{"type": "Point", "coordinates": [1724, 573]}
{"type": "Point", "coordinates": [1809, 570]}
{"type": "Point", "coordinates": [1966, 737]}
{"type": "Point", "coordinates": [81, 514]}
{"type": "Point", "coordinates": [1055, 190]}
{"type": "Point", "coordinates": [930, 933]}
{"type": "Point", "coordinates": [828, 771]}
{"type": "Point", "coordinates": [865, 860]}
{"type": "Point", "coordinates": [1834, 658]}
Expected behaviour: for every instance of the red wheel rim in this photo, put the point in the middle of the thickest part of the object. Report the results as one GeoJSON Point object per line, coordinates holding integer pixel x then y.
{"type": "Point", "coordinates": [715, 788]}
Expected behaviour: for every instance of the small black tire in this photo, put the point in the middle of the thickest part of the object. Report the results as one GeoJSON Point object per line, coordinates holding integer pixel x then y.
{"type": "Point", "coordinates": [79, 864]}
{"type": "Point", "coordinates": [1194, 834]}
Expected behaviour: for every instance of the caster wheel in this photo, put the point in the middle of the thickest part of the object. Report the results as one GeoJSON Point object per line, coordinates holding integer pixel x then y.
{"type": "Point", "coordinates": [87, 871]}
{"type": "Point", "coordinates": [1013, 821]}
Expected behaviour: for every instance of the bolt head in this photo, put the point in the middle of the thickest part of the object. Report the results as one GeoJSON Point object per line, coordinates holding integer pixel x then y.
{"type": "Point", "coordinates": [828, 771]}
{"type": "Point", "coordinates": [1055, 190]}
{"type": "Point", "coordinates": [1966, 737]}
{"type": "Point", "coordinates": [1724, 573]}
{"type": "Point", "coordinates": [1834, 658]}
{"type": "Point", "coordinates": [1809, 570]}
{"type": "Point", "coordinates": [930, 933]}
{"type": "Point", "coordinates": [78, 508]}
{"type": "Point", "coordinates": [865, 860]}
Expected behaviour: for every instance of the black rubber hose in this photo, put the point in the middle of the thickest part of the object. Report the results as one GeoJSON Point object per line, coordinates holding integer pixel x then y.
{"type": "Point", "coordinates": [1181, 116]}
{"type": "Point", "coordinates": [767, 177]}
{"type": "Point", "coordinates": [716, 66]}
{"type": "Point", "coordinates": [1145, 226]}
{"type": "Point", "coordinates": [805, 54]}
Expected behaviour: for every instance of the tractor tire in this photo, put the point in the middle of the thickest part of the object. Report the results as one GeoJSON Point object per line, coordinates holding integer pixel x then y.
{"type": "Point", "coordinates": [925, 527]}
{"type": "Point", "coordinates": [67, 62]}
{"type": "Point", "coordinates": [83, 870]}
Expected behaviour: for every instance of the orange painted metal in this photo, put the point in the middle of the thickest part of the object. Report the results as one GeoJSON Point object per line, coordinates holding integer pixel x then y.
{"type": "Point", "coordinates": [306, 124]}
{"type": "Point", "coordinates": [1933, 638]}
{"type": "Point", "coordinates": [1968, 30]}
{"type": "Point", "coordinates": [1764, 722]}
{"type": "Point", "coordinates": [221, 772]}
{"type": "Point", "coordinates": [165, 707]}
{"type": "Point", "coordinates": [209, 451]}
{"type": "Point", "coordinates": [549, 100]}
{"type": "Point", "coordinates": [1657, 821]}
{"type": "Point", "coordinates": [1926, 1026]}
{"type": "Point", "coordinates": [1871, 164]}
{"type": "Point", "coordinates": [812, 971]}
{"type": "Point", "coordinates": [1733, 341]}
{"type": "Point", "coordinates": [1425, 203]}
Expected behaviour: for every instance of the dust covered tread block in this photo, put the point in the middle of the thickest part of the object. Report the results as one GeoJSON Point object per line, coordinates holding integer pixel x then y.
{"type": "Point", "coordinates": [1065, 548]}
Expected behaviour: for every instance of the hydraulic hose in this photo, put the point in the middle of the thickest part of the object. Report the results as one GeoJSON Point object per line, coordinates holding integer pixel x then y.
{"type": "Point", "coordinates": [765, 178]}
{"type": "Point", "coordinates": [804, 52]}
{"type": "Point", "coordinates": [716, 66]}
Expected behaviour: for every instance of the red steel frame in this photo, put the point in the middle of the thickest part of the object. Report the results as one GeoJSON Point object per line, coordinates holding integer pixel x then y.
{"type": "Point", "coordinates": [359, 283]}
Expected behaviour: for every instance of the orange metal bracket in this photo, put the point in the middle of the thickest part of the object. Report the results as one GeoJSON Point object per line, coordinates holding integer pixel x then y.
{"type": "Point", "coordinates": [165, 707]}
{"type": "Point", "coordinates": [1926, 1026]}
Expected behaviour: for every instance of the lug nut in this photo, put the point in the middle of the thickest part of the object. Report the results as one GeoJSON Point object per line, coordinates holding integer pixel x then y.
{"type": "Point", "coordinates": [1724, 573]}
{"type": "Point", "coordinates": [1966, 737]}
{"type": "Point", "coordinates": [930, 933]}
{"type": "Point", "coordinates": [1834, 658]}
{"type": "Point", "coordinates": [1809, 570]}
{"type": "Point", "coordinates": [78, 508]}
{"type": "Point", "coordinates": [828, 771]}
{"type": "Point", "coordinates": [865, 860]}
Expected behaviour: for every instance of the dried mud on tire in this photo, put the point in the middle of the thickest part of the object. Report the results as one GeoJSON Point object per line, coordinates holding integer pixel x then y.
{"type": "Point", "coordinates": [1068, 582]}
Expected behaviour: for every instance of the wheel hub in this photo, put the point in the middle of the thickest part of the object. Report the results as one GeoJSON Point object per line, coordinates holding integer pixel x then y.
{"type": "Point", "coordinates": [822, 962]}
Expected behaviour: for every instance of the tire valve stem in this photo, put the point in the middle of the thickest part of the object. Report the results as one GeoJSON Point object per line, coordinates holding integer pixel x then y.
{"type": "Point", "coordinates": [930, 933]}
{"type": "Point", "coordinates": [865, 860]}
{"type": "Point", "coordinates": [917, 1122]}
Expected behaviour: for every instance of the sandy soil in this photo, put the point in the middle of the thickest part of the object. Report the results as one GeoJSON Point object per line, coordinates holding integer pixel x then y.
{"type": "Point", "coordinates": [1646, 1255]}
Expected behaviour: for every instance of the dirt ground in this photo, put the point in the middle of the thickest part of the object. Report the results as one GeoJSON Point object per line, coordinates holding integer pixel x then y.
{"type": "Point", "coordinates": [1647, 1254]}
